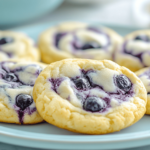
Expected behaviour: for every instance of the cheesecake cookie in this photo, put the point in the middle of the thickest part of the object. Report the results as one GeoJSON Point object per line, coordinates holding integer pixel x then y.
{"type": "Point", "coordinates": [16, 85]}
{"type": "Point", "coordinates": [79, 40]}
{"type": "Point", "coordinates": [144, 75]}
{"type": "Point", "coordinates": [134, 53]}
{"type": "Point", "coordinates": [89, 96]}
{"type": "Point", "coordinates": [14, 45]}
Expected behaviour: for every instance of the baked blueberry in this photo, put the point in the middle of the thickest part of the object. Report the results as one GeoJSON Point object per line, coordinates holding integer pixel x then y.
{"type": "Point", "coordinates": [123, 83]}
{"type": "Point", "coordinates": [81, 83]}
{"type": "Point", "coordinates": [90, 46]}
{"type": "Point", "coordinates": [10, 77]}
{"type": "Point", "coordinates": [142, 38]}
{"type": "Point", "coordinates": [6, 40]}
{"type": "Point", "coordinates": [23, 101]}
{"type": "Point", "coordinates": [94, 104]}
{"type": "Point", "coordinates": [148, 93]}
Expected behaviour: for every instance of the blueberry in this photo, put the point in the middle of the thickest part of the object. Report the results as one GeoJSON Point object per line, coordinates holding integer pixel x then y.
{"type": "Point", "coordinates": [81, 83]}
{"type": "Point", "coordinates": [148, 93]}
{"type": "Point", "coordinates": [23, 101]}
{"type": "Point", "coordinates": [6, 40]}
{"type": "Point", "coordinates": [94, 104]}
{"type": "Point", "coordinates": [142, 38]}
{"type": "Point", "coordinates": [10, 77]}
{"type": "Point", "coordinates": [58, 37]}
{"type": "Point", "coordinates": [90, 46]}
{"type": "Point", "coordinates": [123, 83]}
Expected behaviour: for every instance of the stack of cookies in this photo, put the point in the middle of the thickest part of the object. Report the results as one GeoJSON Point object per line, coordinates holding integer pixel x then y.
{"type": "Point", "coordinates": [89, 80]}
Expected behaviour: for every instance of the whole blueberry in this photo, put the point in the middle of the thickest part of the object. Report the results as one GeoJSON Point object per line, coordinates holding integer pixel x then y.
{"type": "Point", "coordinates": [142, 38]}
{"type": "Point", "coordinates": [81, 83]}
{"type": "Point", "coordinates": [23, 101]}
{"type": "Point", "coordinates": [6, 40]}
{"type": "Point", "coordinates": [10, 77]}
{"type": "Point", "coordinates": [94, 104]}
{"type": "Point", "coordinates": [123, 83]}
{"type": "Point", "coordinates": [90, 46]}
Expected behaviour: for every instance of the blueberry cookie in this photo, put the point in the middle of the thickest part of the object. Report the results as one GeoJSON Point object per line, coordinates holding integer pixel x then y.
{"type": "Point", "coordinates": [16, 85]}
{"type": "Point", "coordinates": [14, 45]}
{"type": "Point", "coordinates": [134, 53]}
{"type": "Point", "coordinates": [144, 75]}
{"type": "Point", "coordinates": [73, 39]}
{"type": "Point", "coordinates": [89, 96]}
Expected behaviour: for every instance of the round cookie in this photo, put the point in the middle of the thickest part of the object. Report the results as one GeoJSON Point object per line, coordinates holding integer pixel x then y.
{"type": "Point", "coordinates": [15, 45]}
{"type": "Point", "coordinates": [134, 53]}
{"type": "Point", "coordinates": [16, 85]}
{"type": "Point", "coordinates": [89, 96]}
{"type": "Point", "coordinates": [79, 40]}
{"type": "Point", "coordinates": [144, 75]}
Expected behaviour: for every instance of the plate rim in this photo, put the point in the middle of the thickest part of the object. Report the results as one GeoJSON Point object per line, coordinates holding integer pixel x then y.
{"type": "Point", "coordinates": [124, 137]}
{"type": "Point", "coordinates": [66, 139]}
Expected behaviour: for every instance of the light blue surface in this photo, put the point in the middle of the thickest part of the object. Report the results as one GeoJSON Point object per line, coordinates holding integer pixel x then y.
{"type": "Point", "coordinates": [47, 136]}
{"type": "Point", "coordinates": [18, 11]}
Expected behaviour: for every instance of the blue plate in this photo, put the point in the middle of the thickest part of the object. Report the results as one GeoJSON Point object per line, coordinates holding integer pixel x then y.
{"type": "Point", "coordinates": [50, 137]}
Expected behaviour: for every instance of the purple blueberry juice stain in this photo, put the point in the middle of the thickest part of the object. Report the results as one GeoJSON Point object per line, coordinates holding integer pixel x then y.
{"type": "Point", "coordinates": [4, 41]}
{"type": "Point", "coordinates": [55, 83]}
{"type": "Point", "coordinates": [83, 86]}
{"type": "Point", "coordinates": [3, 65]}
{"type": "Point", "coordinates": [96, 30]}
{"type": "Point", "coordinates": [31, 111]}
{"type": "Point", "coordinates": [85, 72]}
{"type": "Point", "coordinates": [146, 73]}
{"type": "Point", "coordinates": [10, 79]}
{"type": "Point", "coordinates": [20, 116]}
{"type": "Point", "coordinates": [21, 113]}
{"type": "Point", "coordinates": [68, 98]}
{"type": "Point", "coordinates": [58, 37]}
{"type": "Point", "coordinates": [143, 38]}
{"type": "Point", "coordinates": [77, 44]}
{"type": "Point", "coordinates": [103, 33]}
{"type": "Point", "coordinates": [139, 56]}
{"type": "Point", "coordinates": [38, 72]}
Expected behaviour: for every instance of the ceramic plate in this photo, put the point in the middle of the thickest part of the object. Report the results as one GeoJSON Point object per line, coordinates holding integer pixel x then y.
{"type": "Point", "coordinates": [48, 136]}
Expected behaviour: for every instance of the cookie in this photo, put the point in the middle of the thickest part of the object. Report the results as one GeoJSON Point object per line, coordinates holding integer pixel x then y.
{"type": "Point", "coordinates": [89, 96]}
{"type": "Point", "coordinates": [79, 40]}
{"type": "Point", "coordinates": [16, 85]}
{"type": "Point", "coordinates": [144, 75]}
{"type": "Point", "coordinates": [15, 45]}
{"type": "Point", "coordinates": [134, 53]}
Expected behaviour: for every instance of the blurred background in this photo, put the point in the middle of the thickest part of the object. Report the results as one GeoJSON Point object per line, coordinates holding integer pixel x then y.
{"type": "Point", "coordinates": [124, 13]}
